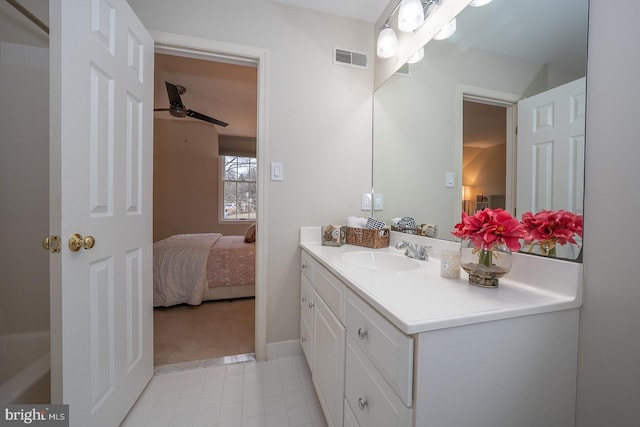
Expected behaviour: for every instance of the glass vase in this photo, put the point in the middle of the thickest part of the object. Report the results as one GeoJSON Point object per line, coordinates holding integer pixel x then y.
{"type": "Point", "coordinates": [545, 248]}
{"type": "Point", "coordinates": [485, 264]}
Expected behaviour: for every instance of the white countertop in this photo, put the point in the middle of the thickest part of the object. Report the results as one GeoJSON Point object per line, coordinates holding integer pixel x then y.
{"type": "Point", "coordinates": [421, 300]}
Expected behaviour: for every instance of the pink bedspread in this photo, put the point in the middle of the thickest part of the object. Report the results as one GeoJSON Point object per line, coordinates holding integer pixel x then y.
{"type": "Point", "coordinates": [231, 262]}
{"type": "Point", "coordinates": [184, 265]}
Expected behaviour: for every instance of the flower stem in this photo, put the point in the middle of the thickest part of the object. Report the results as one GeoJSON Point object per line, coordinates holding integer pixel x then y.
{"type": "Point", "coordinates": [486, 257]}
{"type": "Point", "coordinates": [548, 248]}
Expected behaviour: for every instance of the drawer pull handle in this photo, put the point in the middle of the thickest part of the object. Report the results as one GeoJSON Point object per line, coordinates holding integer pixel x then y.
{"type": "Point", "coordinates": [311, 305]}
{"type": "Point", "coordinates": [362, 403]}
{"type": "Point", "coordinates": [304, 299]}
{"type": "Point", "coordinates": [362, 333]}
{"type": "Point", "coordinates": [303, 339]}
{"type": "Point", "coordinates": [304, 266]}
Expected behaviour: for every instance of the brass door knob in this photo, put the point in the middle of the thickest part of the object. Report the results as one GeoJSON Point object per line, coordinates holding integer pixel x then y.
{"type": "Point", "coordinates": [77, 242]}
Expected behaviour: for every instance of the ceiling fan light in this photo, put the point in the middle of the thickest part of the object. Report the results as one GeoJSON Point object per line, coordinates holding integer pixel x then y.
{"type": "Point", "coordinates": [177, 112]}
{"type": "Point", "coordinates": [387, 44]}
{"type": "Point", "coordinates": [478, 3]}
{"type": "Point", "coordinates": [410, 15]}
{"type": "Point", "coordinates": [446, 31]}
{"type": "Point", "coordinates": [417, 57]}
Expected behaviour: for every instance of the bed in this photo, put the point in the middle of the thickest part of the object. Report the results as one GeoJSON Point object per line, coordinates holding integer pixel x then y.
{"type": "Point", "coordinates": [191, 268]}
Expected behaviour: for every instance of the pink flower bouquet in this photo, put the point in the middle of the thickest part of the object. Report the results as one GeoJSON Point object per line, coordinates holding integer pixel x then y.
{"type": "Point", "coordinates": [489, 227]}
{"type": "Point", "coordinates": [488, 237]}
{"type": "Point", "coordinates": [548, 228]}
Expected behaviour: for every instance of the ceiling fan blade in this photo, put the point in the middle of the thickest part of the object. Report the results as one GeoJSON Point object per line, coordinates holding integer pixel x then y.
{"type": "Point", "coordinates": [174, 95]}
{"type": "Point", "coordinates": [200, 116]}
{"type": "Point", "coordinates": [161, 109]}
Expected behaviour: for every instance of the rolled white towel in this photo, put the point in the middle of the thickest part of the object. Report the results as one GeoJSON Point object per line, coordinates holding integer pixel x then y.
{"type": "Point", "coordinates": [356, 222]}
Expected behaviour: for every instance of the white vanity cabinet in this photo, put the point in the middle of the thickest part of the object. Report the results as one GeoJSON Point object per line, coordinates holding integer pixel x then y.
{"type": "Point", "coordinates": [361, 365]}
{"type": "Point", "coordinates": [322, 335]}
{"type": "Point", "coordinates": [411, 349]}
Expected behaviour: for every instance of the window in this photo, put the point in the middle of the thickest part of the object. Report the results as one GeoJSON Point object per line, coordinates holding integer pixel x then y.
{"type": "Point", "coordinates": [239, 188]}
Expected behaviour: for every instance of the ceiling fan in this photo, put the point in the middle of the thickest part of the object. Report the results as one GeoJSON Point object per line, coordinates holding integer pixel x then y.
{"type": "Point", "coordinates": [178, 109]}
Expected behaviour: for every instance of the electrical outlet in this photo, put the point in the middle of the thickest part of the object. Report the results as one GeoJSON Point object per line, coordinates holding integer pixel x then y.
{"type": "Point", "coordinates": [377, 201]}
{"type": "Point", "coordinates": [366, 201]}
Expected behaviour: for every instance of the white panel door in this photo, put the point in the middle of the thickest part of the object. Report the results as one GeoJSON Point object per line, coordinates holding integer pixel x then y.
{"type": "Point", "coordinates": [550, 155]}
{"type": "Point", "coordinates": [101, 185]}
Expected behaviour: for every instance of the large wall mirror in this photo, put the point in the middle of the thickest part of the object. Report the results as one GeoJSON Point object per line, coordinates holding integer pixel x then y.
{"type": "Point", "coordinates": [493, 116]}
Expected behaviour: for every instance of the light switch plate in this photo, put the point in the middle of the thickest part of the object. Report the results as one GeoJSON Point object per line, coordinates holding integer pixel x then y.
{"type": "Point", "coordinates": [366, 202]}
{"type": "Point", "coordinates": [378, 204]}
{"type": "Point", "coordinates": [449, 180]}
{"type": "Point", "coordinates": [276, 171]}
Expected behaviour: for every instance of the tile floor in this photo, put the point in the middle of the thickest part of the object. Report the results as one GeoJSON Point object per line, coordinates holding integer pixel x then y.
{"type": "Point", "coordinates": [276, 393]}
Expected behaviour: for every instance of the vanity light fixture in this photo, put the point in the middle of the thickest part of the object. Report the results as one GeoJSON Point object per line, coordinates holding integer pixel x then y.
{"type": "Point", "coordinates": [411, 16]}
{"type": "Point", "coordinates": [446, 31]}
{"type": "Point", "coordinates": [387, 42]}
{"type": "Point", "coordinates": [478, 3]}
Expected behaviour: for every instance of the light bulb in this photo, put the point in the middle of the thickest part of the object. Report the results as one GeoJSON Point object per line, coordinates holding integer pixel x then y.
{"type": "Point", "coordinates": [446, 31]}
{"type": "Point", "coordinates": [410, 15]}
{"type": "Point", "coordinates": [417, 57]}
{"type": "Point", "coordinates": [387, 43]}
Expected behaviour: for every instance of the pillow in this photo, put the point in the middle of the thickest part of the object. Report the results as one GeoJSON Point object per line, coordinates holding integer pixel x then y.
{"type": "Point", "coordinates": [250, 234]}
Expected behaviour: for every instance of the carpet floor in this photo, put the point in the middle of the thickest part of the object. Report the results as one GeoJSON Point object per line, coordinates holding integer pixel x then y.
{"type": "Point", "coordinates": [186, 333]}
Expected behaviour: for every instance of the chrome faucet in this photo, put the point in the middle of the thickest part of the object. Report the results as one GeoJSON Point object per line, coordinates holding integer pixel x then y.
{"type": "Point", "coordinates": [413, 250]}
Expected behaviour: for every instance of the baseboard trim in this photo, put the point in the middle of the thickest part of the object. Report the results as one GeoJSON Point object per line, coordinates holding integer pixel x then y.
{"type": "Point", "coordinates": [278, 350]}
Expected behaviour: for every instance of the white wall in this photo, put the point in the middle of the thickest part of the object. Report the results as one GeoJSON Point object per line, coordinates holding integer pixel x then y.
{"type": "Point", "coordinates": [186, 171]}
{"type": "Point", "coordinates": [318, 124]}
{"type": "Point", "coordinates": [609, 353]}
{"type": "Point", "coordinates": [24, 189]}
{"type": "Point", "coordinates": [488, 166]}
{"type": "Point", "coordinates": [15, 28]}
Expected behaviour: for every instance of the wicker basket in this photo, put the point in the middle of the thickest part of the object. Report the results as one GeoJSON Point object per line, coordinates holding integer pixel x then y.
{"type": "Point", "coordinates": [368, 238]}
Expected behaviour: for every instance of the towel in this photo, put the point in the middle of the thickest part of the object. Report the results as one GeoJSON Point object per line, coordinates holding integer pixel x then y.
{"type": "Point", "coordinates": [375, 224]}
{"type": "Point", "coordinates": [356, 222]}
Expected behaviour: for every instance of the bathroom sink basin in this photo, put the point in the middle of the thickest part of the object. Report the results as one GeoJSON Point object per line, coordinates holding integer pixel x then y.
{"type": "Point", "coordinates": [379, 260]}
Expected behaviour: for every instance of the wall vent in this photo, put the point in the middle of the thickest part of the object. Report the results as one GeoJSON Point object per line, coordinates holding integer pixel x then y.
{"type": "Point", "coordinates": [350, 58]}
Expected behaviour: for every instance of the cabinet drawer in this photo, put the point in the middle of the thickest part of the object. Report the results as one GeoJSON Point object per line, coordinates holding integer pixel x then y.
{"type": "Point", "coordinates": [390, 350]}
{"type": "Point", "coordinates": [369, 396]}
{"type": "Point", "coordinates": [306, 265]}
{"type": "Point", "coordinates": [306, 300]}
{"type": "Point", "coordinates": [331, 289]}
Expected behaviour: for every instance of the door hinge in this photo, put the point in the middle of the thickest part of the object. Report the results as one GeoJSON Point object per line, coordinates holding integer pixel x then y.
{"type": "Point", "coordinates": [52, 244]}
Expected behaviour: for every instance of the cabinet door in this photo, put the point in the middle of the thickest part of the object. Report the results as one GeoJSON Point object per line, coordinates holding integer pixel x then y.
{"type": "Point", "coordinates": [329, 353]}
{"type": "Point", "coordinates": [306, 341]}
{"type": "Point", "coordinates": [349, 418]}
{"type": "Point", "coordinates": [306, 301]}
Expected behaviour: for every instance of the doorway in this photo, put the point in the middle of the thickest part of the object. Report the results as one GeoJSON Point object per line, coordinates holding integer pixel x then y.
{"type": "Point", "coordinates": [484, 156]}
{"type": "Point", "coordinates": [484, 116]}
{"type": "Point", "coordinates": [191, 193]}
